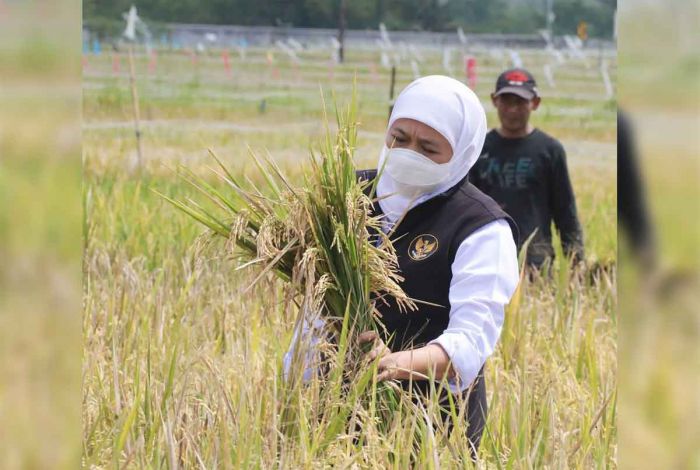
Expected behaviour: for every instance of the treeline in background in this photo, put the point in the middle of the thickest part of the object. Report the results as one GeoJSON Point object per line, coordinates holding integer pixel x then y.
{"type": "Point", "coordinates": [104, 17]}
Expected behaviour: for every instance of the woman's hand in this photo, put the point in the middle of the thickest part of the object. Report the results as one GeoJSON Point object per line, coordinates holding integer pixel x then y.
{"type": "Point", "coordinates": [419, 364]}
{"type": "Point", "coordinates": [379, 349]}
{"type": "Point", "coordinates": [389, 366]}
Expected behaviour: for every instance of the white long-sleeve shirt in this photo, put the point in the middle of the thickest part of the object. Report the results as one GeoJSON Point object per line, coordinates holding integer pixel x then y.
{"type": "Point", "coordinates": [484, 277]}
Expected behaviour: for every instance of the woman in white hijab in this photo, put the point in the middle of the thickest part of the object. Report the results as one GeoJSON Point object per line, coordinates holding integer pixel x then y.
{"type": "Point", "coordinates": [455, 245]}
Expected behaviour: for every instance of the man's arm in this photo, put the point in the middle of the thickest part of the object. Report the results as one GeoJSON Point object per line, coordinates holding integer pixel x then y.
{"type": "Point", "coordinates": [563, 205]}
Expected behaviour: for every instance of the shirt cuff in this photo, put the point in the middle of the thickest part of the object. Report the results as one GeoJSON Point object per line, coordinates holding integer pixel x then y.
{"type": "Point", "coordinates": [309, 341]}
{"type": "Point", "coordinates": [464, 357]}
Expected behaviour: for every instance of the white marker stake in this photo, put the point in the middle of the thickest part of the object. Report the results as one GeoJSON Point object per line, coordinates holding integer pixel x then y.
{"type": "Point", "coordinates": [131, 18]}
{"type": "Point", "coordinates": [547, 69]}
{"type": "Point", "coordinates": [515, 59]}
{"type": "Point", "coordinates": [556, 54]}
{"type": "Point", "coordinates": [288, 50]}
{"type": "Point", "coordinates": [281, 45]}
{"type": "Point", "coordinates": [294, 44]}
{"type": "Point", "coordinates": [462, 36]}
{"type": "Point", "coordinates": [384, 35]}
{"type": "Point", "coordinates": [574, 47]}
{"type": "Point", "coordinates": [606, 79]}
{"type": "Point", "coordinates": [402, 50]}
{"type": "Point", "coordinates": [386, 63]}
{"type": "Point", "coordinates": [447, 61]}
{"type": "Point", "coordinates": [414, 52]}
{"type": "Point", "coordinates": [416, 70]}
{"type": "Point", "coordinates": [335, 50]}
{"type": "Point", "coordinates": [134, 24]}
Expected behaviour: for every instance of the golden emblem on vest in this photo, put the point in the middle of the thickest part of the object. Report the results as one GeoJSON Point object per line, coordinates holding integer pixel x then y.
{"type": "Point", "coordinates": [422, 246]}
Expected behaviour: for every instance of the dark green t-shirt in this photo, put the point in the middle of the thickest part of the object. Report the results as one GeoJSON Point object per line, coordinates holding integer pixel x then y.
{"type": "Point", "coordinates": [529, 178]}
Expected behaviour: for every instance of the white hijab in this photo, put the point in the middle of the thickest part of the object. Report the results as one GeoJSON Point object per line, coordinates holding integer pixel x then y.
{"type": "Point", "coordinates": [453, 110]}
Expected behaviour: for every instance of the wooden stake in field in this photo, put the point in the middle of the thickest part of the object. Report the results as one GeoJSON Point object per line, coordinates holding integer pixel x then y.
{"type": "Point", "coordinates": [341, 31]}
{"type": "Point", "coordinates": [135, 101]}
{"type": "Point", "coordinates": [130, 35]}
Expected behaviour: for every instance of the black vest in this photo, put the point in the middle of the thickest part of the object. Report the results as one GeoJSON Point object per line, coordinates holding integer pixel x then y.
{"type": "Point", "coordinates": [426, 242]}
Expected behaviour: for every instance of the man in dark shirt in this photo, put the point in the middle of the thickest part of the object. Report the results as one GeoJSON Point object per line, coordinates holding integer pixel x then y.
{"type": "Point", "coordinates": [525, 171]}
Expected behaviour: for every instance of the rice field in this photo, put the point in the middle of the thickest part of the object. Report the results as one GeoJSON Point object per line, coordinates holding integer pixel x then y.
{"type": "Point", "coordinates": [181, 364]}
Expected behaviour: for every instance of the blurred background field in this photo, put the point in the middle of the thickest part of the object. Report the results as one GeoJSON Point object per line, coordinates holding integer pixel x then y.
{"type": "Point", "coordinates": [659, 343]}
{"type": "Point", "coordinates": [40, 178]}
{"type": "Point", "coordinates": [551, 378]}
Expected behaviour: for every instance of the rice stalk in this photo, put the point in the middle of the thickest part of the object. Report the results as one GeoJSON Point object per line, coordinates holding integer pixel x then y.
{"type": "Point", "coordinates": [323, 240]}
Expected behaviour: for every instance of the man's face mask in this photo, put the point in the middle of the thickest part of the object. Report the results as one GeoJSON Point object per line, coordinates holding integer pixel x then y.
{"type": "Point", "coordinates": [414, 173]}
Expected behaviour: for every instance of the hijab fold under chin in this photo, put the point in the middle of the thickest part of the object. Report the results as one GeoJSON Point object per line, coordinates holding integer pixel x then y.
{"type": "Point", "coordinates": [453, 110]}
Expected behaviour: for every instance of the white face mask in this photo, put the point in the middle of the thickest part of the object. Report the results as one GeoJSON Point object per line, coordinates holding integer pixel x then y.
{"type": "Point", "coordinates": [414, 173]}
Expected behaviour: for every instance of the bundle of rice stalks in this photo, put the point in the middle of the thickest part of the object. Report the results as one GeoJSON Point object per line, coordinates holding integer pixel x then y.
{"type": "Point", "coordinates": [322, 239]}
